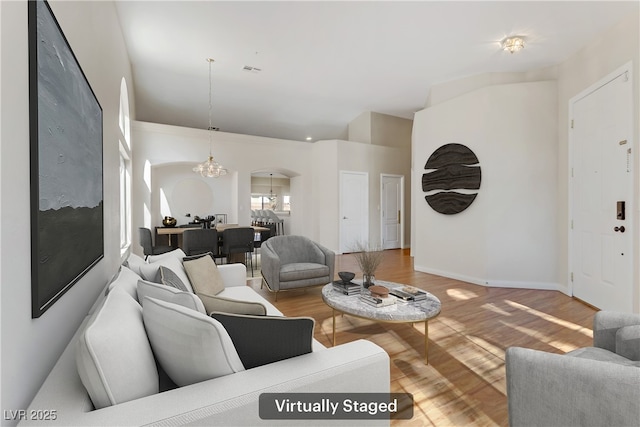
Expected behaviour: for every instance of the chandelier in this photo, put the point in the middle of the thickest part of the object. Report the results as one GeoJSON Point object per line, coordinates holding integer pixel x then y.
{"type": "Point", "coordinates": [210, 168]}
{"type": "Point", "coordinates": [513, 44]}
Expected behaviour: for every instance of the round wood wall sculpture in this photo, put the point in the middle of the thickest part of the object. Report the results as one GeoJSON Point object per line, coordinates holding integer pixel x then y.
{"type": "Point", "coordinates": [451, 171]}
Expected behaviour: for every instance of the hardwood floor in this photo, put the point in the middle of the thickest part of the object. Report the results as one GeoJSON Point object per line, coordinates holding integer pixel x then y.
{"type": "Point", "coordinates": [464, 383]}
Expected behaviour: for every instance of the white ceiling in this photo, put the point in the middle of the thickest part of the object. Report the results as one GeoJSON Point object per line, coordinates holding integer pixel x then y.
{"type": "Point", "coordinates": [324, 63]}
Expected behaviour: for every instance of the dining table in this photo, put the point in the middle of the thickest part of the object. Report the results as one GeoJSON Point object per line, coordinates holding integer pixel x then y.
{"type": "Point", "coordinates": [178, 230]}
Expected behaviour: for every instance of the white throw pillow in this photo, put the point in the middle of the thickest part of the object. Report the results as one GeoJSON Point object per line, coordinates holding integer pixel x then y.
{"type": "Point", "coordinates": [127, 280]}
{"type": "Point", "coordinates": [113, 355]}
{"type": "Point", "coordinates": [176, 253]}
{"type": "Point", "coordinates": [149, 272]}
{"type": "Point", "coordinates": [134, 262]}
{"type": "Point", "coordinates": [170, 294]}
{"type": "Point", "coordinates": [190, 346]}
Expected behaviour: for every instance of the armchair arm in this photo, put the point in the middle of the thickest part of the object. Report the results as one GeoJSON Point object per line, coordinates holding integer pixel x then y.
{"type": "Point", "coordinates": [606, 325]}
{"type": "Point", "coordinates": [546, 389]}
{"type": "Point", "coordinates": [329, 259]}
{"type": "Point", "coordinates": [270, 262]}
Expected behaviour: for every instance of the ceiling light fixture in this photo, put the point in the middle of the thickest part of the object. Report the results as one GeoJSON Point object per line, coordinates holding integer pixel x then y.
{"type": "Point", "coordinates": [210, 168]}
{"type": "Point", "coordinates": [513, 44]}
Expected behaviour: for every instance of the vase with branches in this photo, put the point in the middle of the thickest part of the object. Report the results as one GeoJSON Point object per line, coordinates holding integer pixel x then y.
{"type": "Point", "coordinates": [368, 259]}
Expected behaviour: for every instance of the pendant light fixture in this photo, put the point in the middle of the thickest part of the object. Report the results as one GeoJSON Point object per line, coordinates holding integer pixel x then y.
{"type": "Point", "coordinates": [210, 168]}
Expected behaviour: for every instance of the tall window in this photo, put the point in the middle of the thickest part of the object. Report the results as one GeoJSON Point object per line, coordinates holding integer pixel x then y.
{"type": "Point", "coordinates": [125, 168]}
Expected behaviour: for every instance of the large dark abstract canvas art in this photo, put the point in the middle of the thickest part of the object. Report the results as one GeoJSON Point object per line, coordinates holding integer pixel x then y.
{"type": "Point", "coordinates": [67, 237]}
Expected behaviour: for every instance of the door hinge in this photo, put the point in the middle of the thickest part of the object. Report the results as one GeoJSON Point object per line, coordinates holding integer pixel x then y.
{"type": "Point", "coordinates": [572, 276]}
{"type": "Point", "coordinates": [571, 172]}
{"type": "Point", "coordinates": [571, 123]}
{"type": "Point", "coordinates": [398, 217]}
{"type": "Point", "coordinates": [572, 224]}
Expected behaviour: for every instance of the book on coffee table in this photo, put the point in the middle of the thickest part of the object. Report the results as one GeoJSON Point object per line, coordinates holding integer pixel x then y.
{"type": "Point", "coordinates": [408, 293]}
{"type": "Point", "coordinates": [346, 288]}
{"type": "Point", "coordinates": [378, 302]}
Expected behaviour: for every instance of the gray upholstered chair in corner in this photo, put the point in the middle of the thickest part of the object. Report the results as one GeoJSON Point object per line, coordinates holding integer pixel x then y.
{"type": "Point", "coordinates": [592, 386]}
{"type": "Point", "coordinates": [294, 262]}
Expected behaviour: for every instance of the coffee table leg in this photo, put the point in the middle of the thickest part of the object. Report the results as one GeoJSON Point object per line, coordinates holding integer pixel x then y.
{"type": "Point", "coordinates": [334, 327]}
{"type": "Point", "coordinates": [426, 342]}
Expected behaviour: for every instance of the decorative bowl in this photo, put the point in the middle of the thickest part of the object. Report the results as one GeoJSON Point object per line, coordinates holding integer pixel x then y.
{"type": "Point", "coordinates": [346, 276]}
{"type": "Point", "coordinates": [379, 291]}
{"type": "Point", "coordinates": [169, 221]}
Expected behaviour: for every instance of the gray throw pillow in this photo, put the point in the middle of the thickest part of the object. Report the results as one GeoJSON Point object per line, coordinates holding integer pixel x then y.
{"type": "Point", "coordinates": [168, 278]}
{"type": "Point", "coordinates": [260, 340]}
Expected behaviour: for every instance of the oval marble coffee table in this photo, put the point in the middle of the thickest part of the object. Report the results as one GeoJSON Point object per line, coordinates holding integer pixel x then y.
{"type": "Point", "coordinates": [401, 312]}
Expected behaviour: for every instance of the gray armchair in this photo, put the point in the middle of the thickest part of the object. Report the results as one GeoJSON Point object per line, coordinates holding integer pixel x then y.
{"type": "Point", "coordinates": [592, 386]}
{"type": "Point", "coordinates": [293, 262]}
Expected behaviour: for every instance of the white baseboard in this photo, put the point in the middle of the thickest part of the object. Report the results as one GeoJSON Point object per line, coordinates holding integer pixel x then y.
{"type": "Point", "coordinates": [494, 283]}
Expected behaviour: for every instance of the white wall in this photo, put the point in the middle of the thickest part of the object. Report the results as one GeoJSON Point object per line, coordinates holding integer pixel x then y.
{"type": "Point", "coordinates": [599, 57]}
{"type": "Point", "coordinates": [507, 236]}
{"type": "Point", "coordinates": [31, 346]}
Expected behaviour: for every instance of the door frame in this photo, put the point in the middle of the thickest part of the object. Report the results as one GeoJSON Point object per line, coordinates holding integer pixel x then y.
{"type": "Point", "coordinates": [402, 210]}
{"type": "Point", "coordinates": [365, 226]}
{"type": "Point", "coordinates": [632, 205]}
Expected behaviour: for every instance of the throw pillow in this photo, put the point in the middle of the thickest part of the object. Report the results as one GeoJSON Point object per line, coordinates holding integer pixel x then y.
{"type": "Point", "coordinates": [169, 278]}
{"type": "Point", "coordinates": [150, 271]}
{"type": "Point", "coordinates": [169, 294]}
{"type": "Point", "coordinates": [190, 346]}
{"type": "Point", "coordinates": [125, 279]}
{"type": "Point", "coordinates": [228, 305]}
{"type": "Point", "coordinates": [113, 355]}
{"type": "Point", "coordinates": [260, 340]}
{"type": "Point", "coordinates": [176, 253]}
{"type": "Point", "coordinates": [204, 276]}
{"type": "Point", "coordinates": [134, 262]}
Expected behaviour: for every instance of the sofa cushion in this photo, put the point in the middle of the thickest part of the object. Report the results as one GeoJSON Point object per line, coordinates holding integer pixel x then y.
{"type": "Point", "coordinates": [302, 270]}
{"type": "Point", "coordinates": [628, 342]}
{"type": "Point", "coordinates": [126, 280]}
{"type": "Point", "coordinates": [169, 294]}
{"type": "Point", "coordinates": [229, 305]}
{"type": "Point", "coordinates": [204, 276]}
{"type": "Point", "coordinates": [602, 355]}
{"type": "Point", "coordinates": [113, 355]}
{"type": "Point", "coordinates": [169, 278]}
{"type": "Point", "coordinates": [260, 340]}
{"type": "Point", "coordinates": [150, 271]}
{"type": "Point", "coordinates": [190, 346]}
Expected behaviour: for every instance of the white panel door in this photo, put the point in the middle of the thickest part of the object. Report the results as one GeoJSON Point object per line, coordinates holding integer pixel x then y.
{"type": "Point", "coordinates": [354, 210]}
{"type": "Point", "coordinates": [391, 211]}
{"type": "Point", "coordinates": [602, 258]}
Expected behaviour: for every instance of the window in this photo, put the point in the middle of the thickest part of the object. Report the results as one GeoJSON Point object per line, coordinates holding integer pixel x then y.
{"type": "Point", "coordinates": [125, 168]}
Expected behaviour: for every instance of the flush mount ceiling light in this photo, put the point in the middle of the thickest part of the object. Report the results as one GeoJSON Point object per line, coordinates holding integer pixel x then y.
{"type": "Point", "coordinates": [210, 168]}
{"type": "Point", "coordinates": [513, 44]}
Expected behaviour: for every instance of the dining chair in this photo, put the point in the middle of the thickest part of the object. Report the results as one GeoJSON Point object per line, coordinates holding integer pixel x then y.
{"type": "Point", "coordinates": [147, 243]}
{"type": "Point", "coordinates": [239, 240]}
{"type": "Point", "coordinates": [201, 241]}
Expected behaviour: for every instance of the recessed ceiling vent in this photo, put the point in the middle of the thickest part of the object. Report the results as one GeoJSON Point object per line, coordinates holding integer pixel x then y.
{"type": "Point", "coordinates": [251, 69]}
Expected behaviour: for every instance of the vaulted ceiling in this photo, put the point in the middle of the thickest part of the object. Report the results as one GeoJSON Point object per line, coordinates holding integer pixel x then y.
{"type": "Point", "coordinates": [315, 66]}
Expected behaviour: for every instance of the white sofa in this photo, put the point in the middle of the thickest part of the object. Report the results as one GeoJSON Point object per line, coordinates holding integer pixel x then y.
{"type": "Point", "coordinates": [355, 367]}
